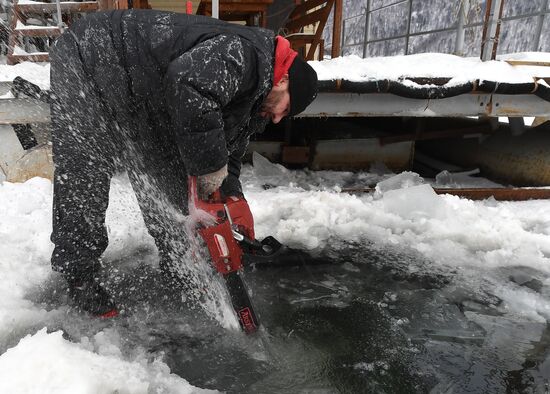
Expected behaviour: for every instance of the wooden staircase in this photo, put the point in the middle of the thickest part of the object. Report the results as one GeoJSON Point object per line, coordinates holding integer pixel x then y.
{"type": "Point", "coordinates": [23, 10]}
{"type": "Point", "coordinates": [305, 25]}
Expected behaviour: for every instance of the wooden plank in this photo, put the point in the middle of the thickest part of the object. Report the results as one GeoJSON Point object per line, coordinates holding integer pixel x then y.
{"type": "Point", "coordinates": [435, 134]}
{"type": "Point", "coordinates": [336, 30]}
{"type": "Point", "coordinates": [85, 6]}
{"type": "Point", "coordinates": [295, 154]}
{"type": "Point", "coordinates": [306, 6]}
{"type": "Point", "coordinates": [42, 57]}
{"type": "Point", "coordinates": [527, 63]}
{"type": "Point", "coordinates": [308, 19]}
{"type": "Point", "coordinates": [500, 194]}
{"type": "Point", "coordinates": [38, 32]}
{"type": "Point", "coordinates": [504, 194]}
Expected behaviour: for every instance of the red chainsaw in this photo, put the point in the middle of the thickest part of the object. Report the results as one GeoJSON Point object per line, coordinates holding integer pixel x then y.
{"type": "Point", "coordinates": [233, 225]}
{"type": "Point", "coordinates": [232, 246]}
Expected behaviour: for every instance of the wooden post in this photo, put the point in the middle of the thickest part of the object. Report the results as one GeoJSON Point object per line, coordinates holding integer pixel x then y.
{"type": "Point", "coordinates": [108, 5]}
{"type": "Point", "coordinates": [216, 9]}
{"type": "Point", "coordinates": [336, 29]}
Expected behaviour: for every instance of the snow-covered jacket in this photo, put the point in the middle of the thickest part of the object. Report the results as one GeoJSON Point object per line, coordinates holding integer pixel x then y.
{"type": "Point", "coordinates": [196, 77]}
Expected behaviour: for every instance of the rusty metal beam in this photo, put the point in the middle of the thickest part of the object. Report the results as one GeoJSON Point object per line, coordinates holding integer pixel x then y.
{"type": "Point", "coordinates": [435, 134]}
{"type": "Point", "coordinates": [24, 111]}
{"type": "Point", "coordinates": [500, 194]}
{"type": "Point", "coordinates": [350, 105]}
{"type": "Point", "coordinates": [384, 104]}
{"type": "Point", "coordinates": [527, 63]}
{"type": "Point", "coordinates": [491, 29]}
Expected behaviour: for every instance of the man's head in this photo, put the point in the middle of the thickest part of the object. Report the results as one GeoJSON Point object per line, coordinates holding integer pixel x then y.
{"type": "Point", "coordinates": [294, 84]}
{"type": "Point", "coordinates": [277, 103]}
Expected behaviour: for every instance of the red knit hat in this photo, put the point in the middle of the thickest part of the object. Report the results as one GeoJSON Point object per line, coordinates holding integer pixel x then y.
{"type": "Point", "coordinates": [284, 56]}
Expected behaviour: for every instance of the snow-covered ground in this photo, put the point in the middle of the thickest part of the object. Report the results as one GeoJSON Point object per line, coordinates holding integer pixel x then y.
{"type": "Point", "coordinates": [474, 240]}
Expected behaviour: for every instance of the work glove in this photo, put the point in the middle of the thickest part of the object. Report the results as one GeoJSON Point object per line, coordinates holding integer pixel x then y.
{"type": "Point", "coordinates": [231, 187]}
{"type": "Point", "coordinates": [209, 183]}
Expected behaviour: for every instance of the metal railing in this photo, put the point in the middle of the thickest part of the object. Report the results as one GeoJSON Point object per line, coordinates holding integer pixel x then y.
{"type": "Point", "coordinates": [400, 27]}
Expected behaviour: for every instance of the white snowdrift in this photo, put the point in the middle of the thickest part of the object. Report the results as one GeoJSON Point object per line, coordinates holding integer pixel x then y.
{"type": "Point", "coordinates": [47, 363]}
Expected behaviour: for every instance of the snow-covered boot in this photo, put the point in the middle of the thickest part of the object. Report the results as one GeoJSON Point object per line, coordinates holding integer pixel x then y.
{"type": "Point", "coordinates": [91, 297]}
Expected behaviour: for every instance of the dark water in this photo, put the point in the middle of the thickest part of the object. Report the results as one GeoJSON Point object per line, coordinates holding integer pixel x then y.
{"type": "Point", "coordinates": [363, 320]}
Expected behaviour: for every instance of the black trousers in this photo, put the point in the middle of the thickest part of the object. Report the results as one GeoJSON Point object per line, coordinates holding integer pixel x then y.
{"type": "Point", "coordinates": [89, 147]}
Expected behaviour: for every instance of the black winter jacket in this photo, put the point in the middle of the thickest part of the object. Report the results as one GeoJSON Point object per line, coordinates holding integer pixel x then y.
{"type": "Point", "coordinates": [197, 77]}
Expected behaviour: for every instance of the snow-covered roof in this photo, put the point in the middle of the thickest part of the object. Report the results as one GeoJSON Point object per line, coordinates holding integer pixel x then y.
{"type": "Point", "coordinates": [432, 65]}
{"type": "Point", "coordinates": [37, 73]}
{"type": "Point", "coordinates": [353, 68]}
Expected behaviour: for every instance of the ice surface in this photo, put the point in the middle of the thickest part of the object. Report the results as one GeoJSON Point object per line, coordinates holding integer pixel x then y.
{"type": "Point", "coordinates": [269, 171]}
{"type": "Point", "coordinates": [401, 181]}
{"type": "Point", "coordinates": [414, 202]}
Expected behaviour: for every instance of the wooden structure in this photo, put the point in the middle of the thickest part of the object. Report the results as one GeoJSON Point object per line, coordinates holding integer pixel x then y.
{"type": "Point", "coordinates": [304, 27]}
{"type": "Point", "coordinates": [252, 12]}
{"type": "Point", "coordinates": [19, 30]}
{"type": "Point", "coordinates": [314, 14]}
{"type": "Point", "coordinates": [483, 193]}
{"type": "Point", "coordinates": [69, 10]}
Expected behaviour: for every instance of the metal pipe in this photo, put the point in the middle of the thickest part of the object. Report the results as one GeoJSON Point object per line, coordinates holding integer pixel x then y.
{"type": "Point", "coordinates": [366, 34]}
{"type": "Point", "coordinates": [216, 9]}
{"type": "Point", "coordinates": [545, 5]}
{"type": "Point", "coordinates": [59, 16]}
{"type": "Point", "coordinates": [462, 12]}
{"type": "Point", "coordinates": [408, 28]}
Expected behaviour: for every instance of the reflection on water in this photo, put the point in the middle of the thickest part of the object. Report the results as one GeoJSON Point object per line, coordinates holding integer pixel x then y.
{"type": "Point", "coordinates": [366, 320]}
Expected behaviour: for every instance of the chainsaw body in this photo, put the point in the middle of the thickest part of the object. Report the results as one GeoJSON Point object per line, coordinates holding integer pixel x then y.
{"type": "Point", "coordinates": [233, 223]}
{"type": "Point", "coordinates": [232, 246]}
